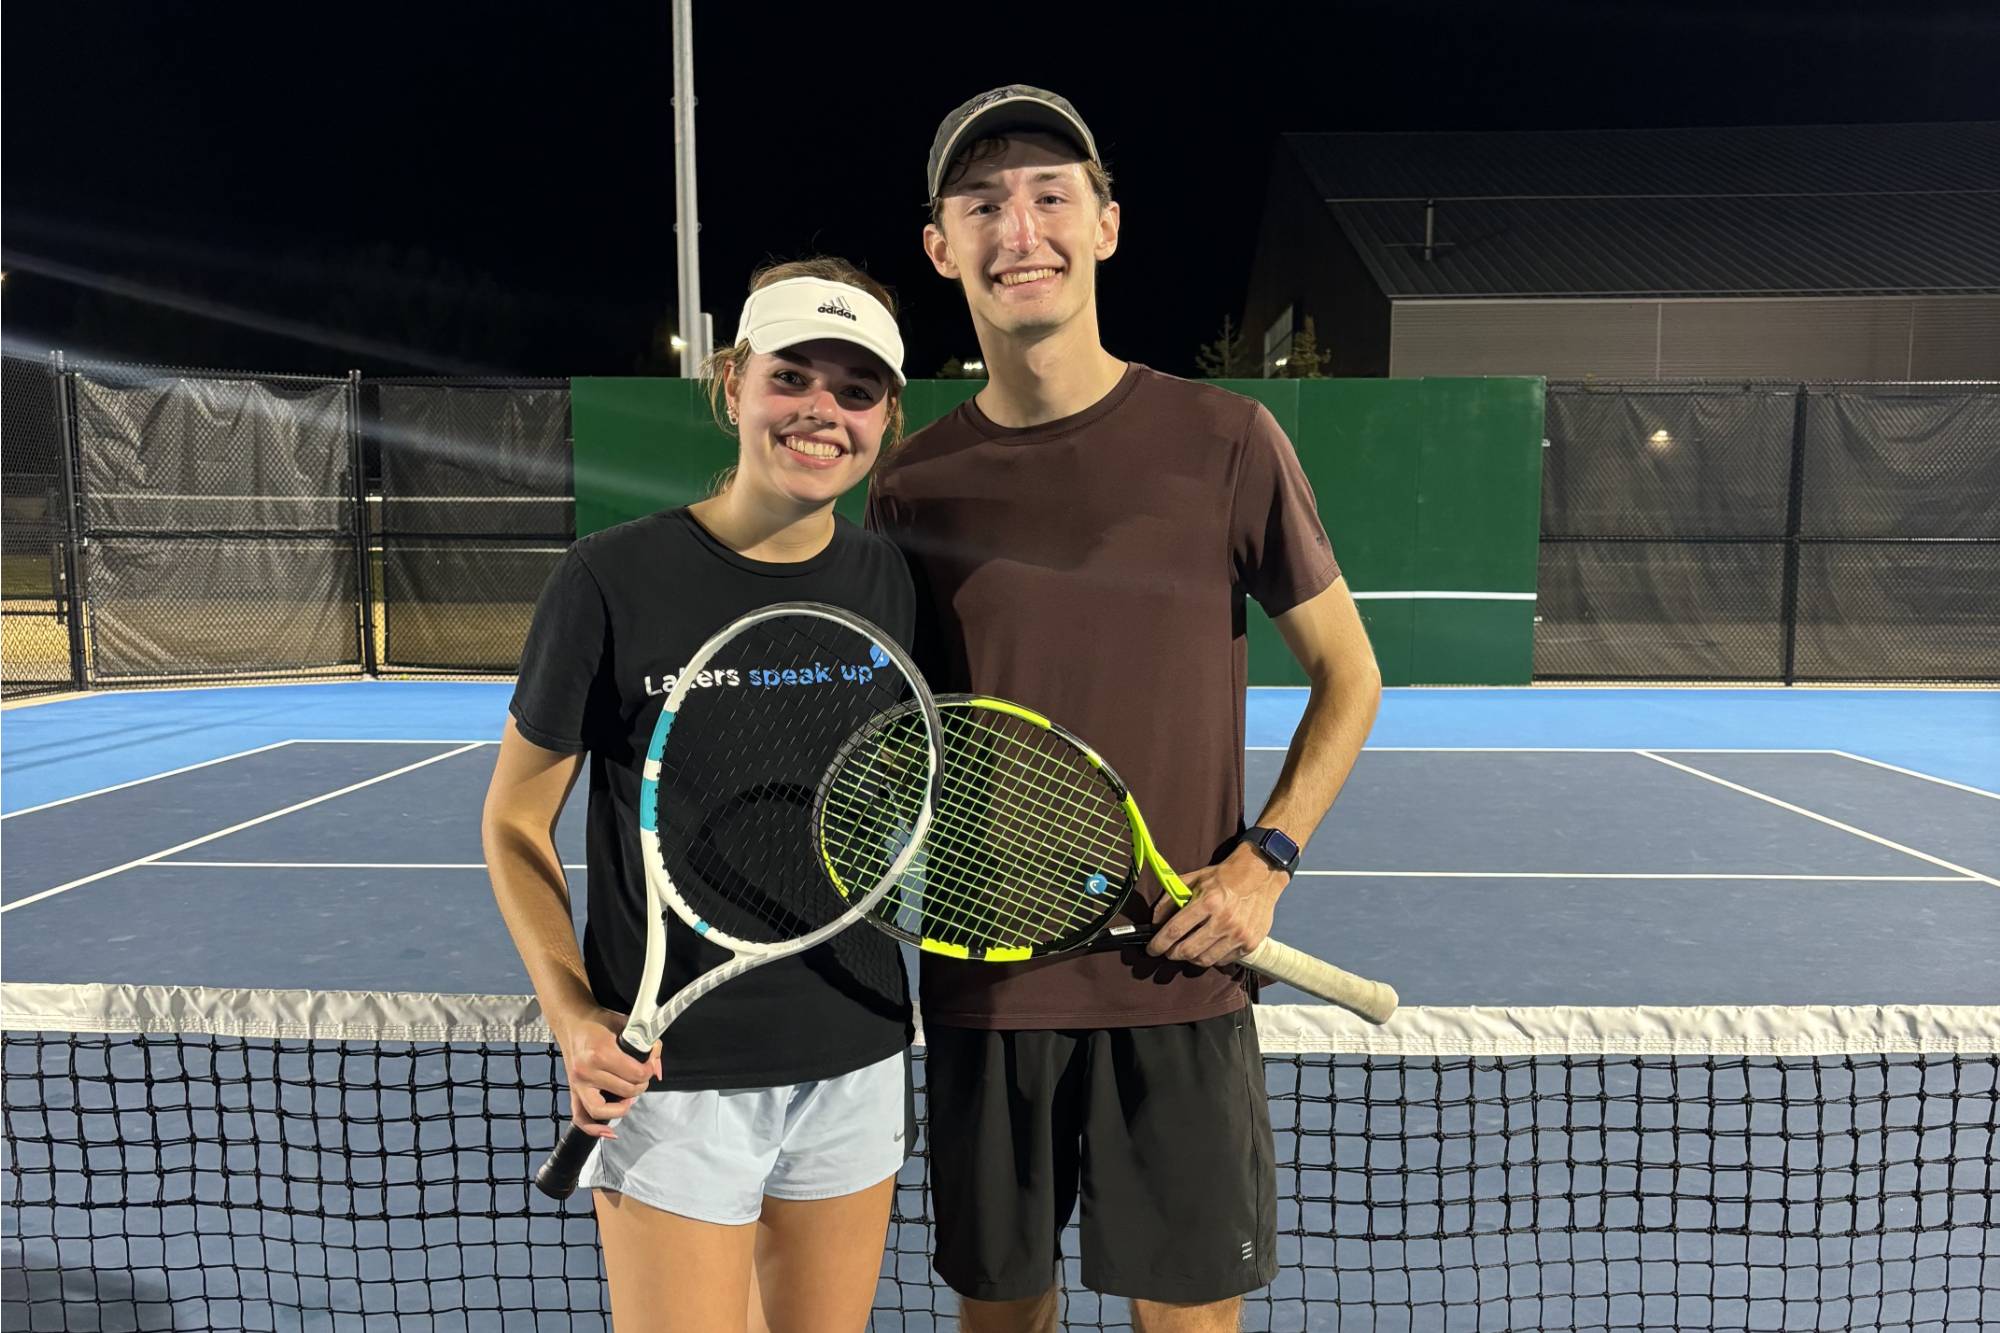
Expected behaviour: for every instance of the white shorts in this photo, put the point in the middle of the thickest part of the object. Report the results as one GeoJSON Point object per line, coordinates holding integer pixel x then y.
{"type": "Point", "coordinates": [715, 1156]}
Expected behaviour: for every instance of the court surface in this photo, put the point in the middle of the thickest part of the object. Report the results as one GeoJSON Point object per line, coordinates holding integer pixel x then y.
{"type": "Point", "coordinates": [1494, 847]}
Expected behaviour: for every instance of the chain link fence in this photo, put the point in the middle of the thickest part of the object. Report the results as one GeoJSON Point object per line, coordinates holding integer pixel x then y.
{"type": "Point", "coordinates": [165, 525]}
{"type": "Point", "coordinates": [1760, 532]}
{"type": "Point", "coordinates": [40, 650]}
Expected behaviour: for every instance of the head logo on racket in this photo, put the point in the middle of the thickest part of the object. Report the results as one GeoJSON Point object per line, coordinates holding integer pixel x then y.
{"type": "Point", "coordinates": [1096, 885]}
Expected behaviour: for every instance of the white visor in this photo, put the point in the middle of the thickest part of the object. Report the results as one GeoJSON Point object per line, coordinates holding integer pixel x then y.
{"type": "Point", "coordinates": [801, 310]}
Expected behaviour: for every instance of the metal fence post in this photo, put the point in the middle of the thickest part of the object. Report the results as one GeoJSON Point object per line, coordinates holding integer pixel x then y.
{"type": "Point", "coordinates": [364, 574]}
{"type": "Point", "coordinates": [1788, 596]}
{"type": "Point", "coordinates": [73, 535]}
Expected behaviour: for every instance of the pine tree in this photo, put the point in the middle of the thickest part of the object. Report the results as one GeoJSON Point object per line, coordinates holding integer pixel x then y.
{"type": "Point", "coordinates": [1305, 361]}
{"type": "Point", "coordinates": [1228, 357]}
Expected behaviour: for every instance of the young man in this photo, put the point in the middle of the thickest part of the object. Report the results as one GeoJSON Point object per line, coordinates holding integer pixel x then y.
{"type": "Point", "coordinates": [1084, 533]}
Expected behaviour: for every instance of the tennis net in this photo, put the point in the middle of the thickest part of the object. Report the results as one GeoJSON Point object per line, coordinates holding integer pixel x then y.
{"type": "Point", "coordinates": [189, 1158]}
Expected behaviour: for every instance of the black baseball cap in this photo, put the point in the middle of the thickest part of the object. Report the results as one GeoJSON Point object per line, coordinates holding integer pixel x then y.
{"type": "Point", "coordinates": [1014, 107]}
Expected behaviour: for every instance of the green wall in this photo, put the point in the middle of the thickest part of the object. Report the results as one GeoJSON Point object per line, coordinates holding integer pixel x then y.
{"type": "Point", "coordinates": [1427, 486]}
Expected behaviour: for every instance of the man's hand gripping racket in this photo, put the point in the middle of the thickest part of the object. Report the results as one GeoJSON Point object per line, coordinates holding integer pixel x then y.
{"type": "Point", "coordinates": [1035, 848]}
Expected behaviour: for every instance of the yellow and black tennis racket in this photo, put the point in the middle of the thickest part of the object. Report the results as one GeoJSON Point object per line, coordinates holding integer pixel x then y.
{"type": "Point", "coordinates": [1034, 849]}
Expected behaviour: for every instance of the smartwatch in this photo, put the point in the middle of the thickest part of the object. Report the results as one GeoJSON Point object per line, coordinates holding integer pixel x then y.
{"type": "Point", "coordinates": [1274, 846]}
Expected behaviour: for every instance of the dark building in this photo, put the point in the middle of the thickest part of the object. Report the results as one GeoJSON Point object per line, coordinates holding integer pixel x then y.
{"type": "Point", "coordinates": [1861, 252]}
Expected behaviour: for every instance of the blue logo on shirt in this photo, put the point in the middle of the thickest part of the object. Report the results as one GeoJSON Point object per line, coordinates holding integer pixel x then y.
{"type": "Point", "coordinates": [876, 656]}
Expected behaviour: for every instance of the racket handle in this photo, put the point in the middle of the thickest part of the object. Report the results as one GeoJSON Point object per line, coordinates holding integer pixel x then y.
{"type": "Point", "coordinates": [559, 1171]}
{"type": "Point", "coordinates": [558, 1174]}
{"type": "Point", "coordinates": [1372, 1000]}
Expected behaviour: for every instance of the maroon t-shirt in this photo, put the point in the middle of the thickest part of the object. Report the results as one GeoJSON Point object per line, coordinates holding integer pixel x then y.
{"type": "Point", "coordinates": [1095, 569]}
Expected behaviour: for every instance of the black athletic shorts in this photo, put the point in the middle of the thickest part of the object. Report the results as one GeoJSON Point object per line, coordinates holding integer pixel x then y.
{"type": "Point", "coordinates": [1164, 1131]}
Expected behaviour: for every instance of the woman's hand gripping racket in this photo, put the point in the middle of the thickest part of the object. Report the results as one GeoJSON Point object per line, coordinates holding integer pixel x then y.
{"type": "Point", "coordinates": [1035, 849]}
{"type": "Point", "coordinates": [735, 806]}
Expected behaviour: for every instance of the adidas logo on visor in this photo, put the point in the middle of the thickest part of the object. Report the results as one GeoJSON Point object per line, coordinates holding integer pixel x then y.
{"type": "Point", "coordinates": [838, 306]}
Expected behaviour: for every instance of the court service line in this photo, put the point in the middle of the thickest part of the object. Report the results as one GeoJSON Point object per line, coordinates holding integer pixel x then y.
{"type": "Point", "coordinates": [155, 777]}
{"type": "Point", "coordinates": [1546, 874]}
{"type": "Point", "coordinates": [1547, 749]}
{"type": "Point", "coordinates": [337, 865]}
{"type": "Point", "coordinates": [234, 828]}
{"type": "Point", "coordinates": [391, 740]}
{"type": "Point", "coordinates": [1325, 874]}
{"type": "Point", "coordinates": [1824, 819]}
{"type": "Point", "coordinates": [1927, 777]}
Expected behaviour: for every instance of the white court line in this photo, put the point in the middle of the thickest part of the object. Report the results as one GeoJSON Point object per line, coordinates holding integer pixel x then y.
{"type": "Point", "coordinates": [1547, 749]}
{"type": "Point", "coordinates": [1911, 772]}
{"type": "Point", "coordinates": [1546, 874]}
{"type": "Point", "coordinates": [1344, 874]}
{"type": "Point", "coordinates": [234, 828]}
{"type": "Point", "coordinates": [340, 865]}
{"type": "Point", "coordinates": [1824, 819]}
{"type": "Point", "coordinates": [1440, 595]}
{"type": "Point", "coordinates": [388, 740]}
{"type": "Point", "coordinates": [240, 754]}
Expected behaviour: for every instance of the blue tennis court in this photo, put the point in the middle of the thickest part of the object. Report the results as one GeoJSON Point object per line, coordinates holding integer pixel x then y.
{"type": "Point", "coordinates": [1593, 847]}
{"type": "Point", "coordinates": [1700, 1025]}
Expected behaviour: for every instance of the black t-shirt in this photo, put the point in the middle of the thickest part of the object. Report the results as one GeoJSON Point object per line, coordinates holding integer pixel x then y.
{"type": "Point", "coordinates": [623, 611]}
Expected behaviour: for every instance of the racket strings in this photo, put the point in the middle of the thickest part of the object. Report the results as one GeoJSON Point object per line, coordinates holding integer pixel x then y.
{"type": "Point", "coordinates": [945, 896]}
{"type": "Point", "coordinates": [1029, 843]}
{"type": "Point", "coordinates": [926, 898]}
{"type": "Point", "coordinates": [872, 800]}
{"type": "Point", "coordinates": [1056, 805]}
{"type": "Point", "coordinates": [741, 774]}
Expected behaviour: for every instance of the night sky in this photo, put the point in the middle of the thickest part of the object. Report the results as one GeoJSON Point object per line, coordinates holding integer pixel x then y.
{"type": "Point", "coordinates": [433, 188]}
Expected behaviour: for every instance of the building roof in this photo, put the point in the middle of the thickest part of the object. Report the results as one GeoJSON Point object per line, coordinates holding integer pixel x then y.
{"type": "Point", "coordinates": [1786, 211]}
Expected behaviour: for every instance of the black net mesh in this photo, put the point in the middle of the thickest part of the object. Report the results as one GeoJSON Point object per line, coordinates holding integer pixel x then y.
{"type": "Point", "coordinates": [219, 518]}
{"type": "Point", "coordinates": [35, 605]}
{"type": "Point", "coordinates": [1793, 533]}
{"type": "Point", "coordinates": [1793, 1169]}
{"type": "Point", "coordinates": [475, 510]}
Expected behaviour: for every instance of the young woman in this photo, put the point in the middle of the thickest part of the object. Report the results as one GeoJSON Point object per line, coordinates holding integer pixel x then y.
{"type": "Point", "coordinates": [743, 1178]}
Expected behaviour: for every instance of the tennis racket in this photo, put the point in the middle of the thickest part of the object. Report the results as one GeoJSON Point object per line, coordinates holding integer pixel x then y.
{"type": "Point", "coordinates": [1035, 849]}
{"type": "Point", "coordinates": [735, 806]}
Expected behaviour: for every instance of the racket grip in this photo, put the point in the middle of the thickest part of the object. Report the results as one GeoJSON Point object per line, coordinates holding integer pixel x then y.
{"type": "Point", "coordinates": [558, 1173]}
{"type": "Point", "coordinates": [1372, 1000]}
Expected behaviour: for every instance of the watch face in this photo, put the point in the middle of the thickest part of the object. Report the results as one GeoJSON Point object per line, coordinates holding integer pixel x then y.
{"type": "Point", "coordinates": [1280, 847]}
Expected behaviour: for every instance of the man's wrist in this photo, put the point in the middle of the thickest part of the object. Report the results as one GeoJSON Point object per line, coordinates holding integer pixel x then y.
{"type": "Point", "coordinates": [1274, 847]}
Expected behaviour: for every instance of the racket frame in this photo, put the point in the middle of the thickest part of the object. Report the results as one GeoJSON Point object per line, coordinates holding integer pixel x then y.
{"type": "Point", "coordinates": [1373, 1000]}
{"type": "Point", "coordinates": [649, 1017]}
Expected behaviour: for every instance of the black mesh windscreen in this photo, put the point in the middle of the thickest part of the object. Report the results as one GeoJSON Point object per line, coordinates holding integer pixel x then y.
{"type": "Point", "coordinates": [1901, 461]}
{"type": "Point", "coordinates": [1794, 533]}
{"type": "Point", "coordinates": [1667, 462]}
{"type": "Point", "coordinates": [1657, 610]}
{"type": "Point", "coordinates": [193, 606]}
{"type": "Point", "coordinates": [475, 509]}
{"type": "Point", "coordinates": [220, 522]}
{"type": "Point", "coordinates": [1899, 610]}
{"type": "Point", "coordinates": [460, 606]}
